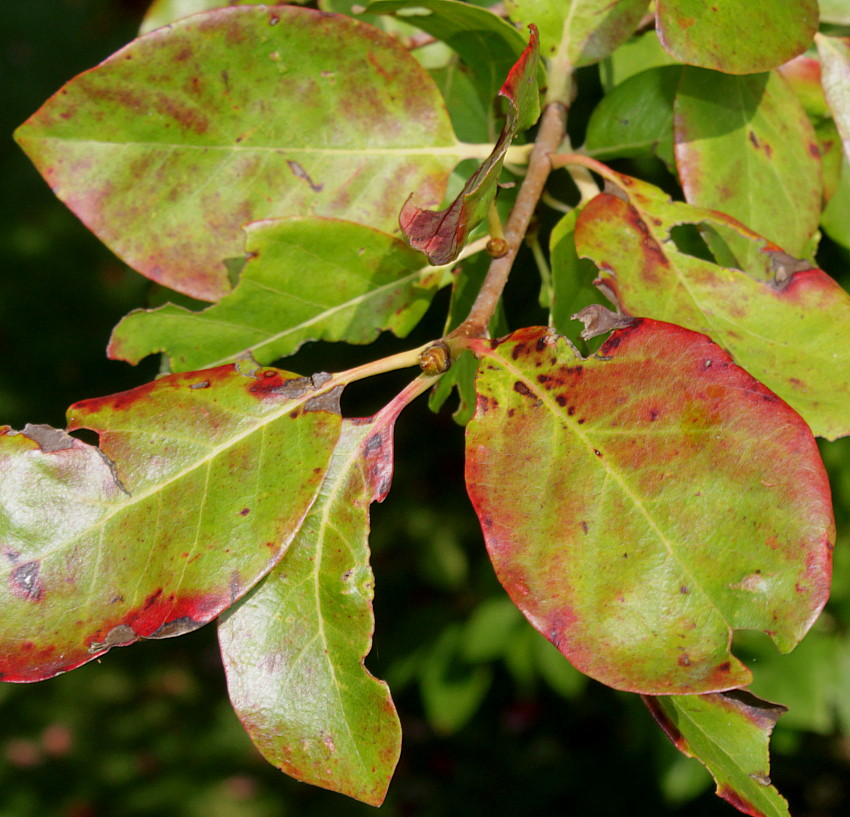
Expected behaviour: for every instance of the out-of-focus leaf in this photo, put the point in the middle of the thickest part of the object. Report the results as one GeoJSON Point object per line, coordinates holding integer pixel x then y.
{"type": "Point", "coordinates": [640, 505]}
{"type": "Point", "coordinates": [636, 118]}
{"type": "Point", "coordinates": [831, 156]}
{"type": "Point", "coordinates": [804, 76]}
{"type": "Point", "coordinates": [745, 146]}
{"type": "Point", "coordinates": [579, 31]}
{"type": "Point", "coordinates": [835, 76]}
{"type": "Point", "coordinates": [471, 117]}
{"type": "Point", "coordinates": [835, 11]}
{"type": "Point", "coordinates": [441, 234]}
{"type": "Point", "coordinates": [638, 54]}
{"type": "Point", "coordinates": [834, 218]}
{"type": "Point", "coordinates": [305, 279]}
{"type": "Point", "coordinates": [199, 485]}
{"type": "Point", "coordinates": [488, 45]}
{"type": "Point", "coordinates": [787, 324]}
{"type": "Point", "coordinates": [163, 12]}
{"type": "Point", "coordinates": [735, 37]}
{"type": "Point", "coordinates": [728, 732]}
{"type": "Point", "coordinates": [168, 147]}
{"type": "Point", "coordinates": [572, 279]}
{"type": "Point", "coordinates": [293, 650]}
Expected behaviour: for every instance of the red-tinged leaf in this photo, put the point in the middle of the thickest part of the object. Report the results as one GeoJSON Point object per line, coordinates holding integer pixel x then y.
{"type": "Point", "coordinates": [745, 146]}
{"type": "Point", "coordinates": [172, 144]}
{"type": "Point", "coordinates": [785, 323]}
{"type": "Point", "coordinates": [804, 76]}
{"type": "Point", "coordinates": [360, 282]}
{"type": "Point", "coordinates": [200, 483]}
{"type": "Point", "coordinates": [293, 650]}
{"type": "Point", "coordinates": [441, 234]}
{"type": "Point", "coordinates": [835, 75]}
{"type": "Point", "coordinates": [641, 504]}
{"type": "Point", "coordinates": [728, 733]}
{"type": "Point", "coordinates": [579, 32]}
{"type": "Point", "coordinates": [735, 37]}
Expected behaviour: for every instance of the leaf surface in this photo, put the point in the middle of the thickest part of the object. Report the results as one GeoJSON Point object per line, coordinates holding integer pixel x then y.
{"type": "Point", "coordinates": [441, 234]}
{"type": "Point", "coordinates": [640, 505]}
{"type": "Point", "coordinates": [305, 279]}
{"type": "Point", "coordinates": [834, 55]}
{"type": "Point", "coordinates": [200, 482]}
{"type": "Point", "coordinates": [728, 732]}
{"type": "Point", "coordinates": [745, 146]}
{"type": "Point", "coordinates": [785, 323]}
{"type": "Point", "coordinates": [168, 147]}
{"type": "Point", "coordinates": [579, 31]}
{"type": "Point", "coordinates": [293, 650]}
{"type": "Point", "coordinates": [163, 12]}
{"type": "Point", "coordinates": [734, 37]}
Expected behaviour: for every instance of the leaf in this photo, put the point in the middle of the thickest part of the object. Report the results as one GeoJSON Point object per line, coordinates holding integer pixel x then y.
{"type": "Point", "coordinates": [834, 55]}
{"type": "Point", "coordinates": [640, 505]}
{"type": "Point", "coordinates": [168, 147]}
{"type": "Point", "coordinates": [834, 11]}
{"type": "Point", "coordinates": [441, 234]}
{"type": "Point", "coordinates": [293, 650]}
{"type": "Point", "coordinates": [834, 217]}
{"type": "Point", "coordinates": [636, 118]}
{"type": "Point", "coordinates": [488, 45]}
{"type": "Point", "coordinates": [745, 146]}
{"type": "Point", "coordinates": [727, 732]}
{"type": "Point", "coordinates": [163, 12]}
{"type": "Point", "coordinates": [803, 74]}
{"type": "Point", "coordinates": [638, 54]}
{"type": "Point", "coordinates": [305, 279]}
{"type": "Point", "coordinates": [200, 482]}
{"type": "Point", "coordinates": [734, 37]}
{"type": "Point", "coordinates": [580, 32]}
{"type": "Point", "coordinates": [786, 324]}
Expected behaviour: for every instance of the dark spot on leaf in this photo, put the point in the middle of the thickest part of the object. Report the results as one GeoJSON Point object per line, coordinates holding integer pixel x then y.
{"type": "Point", "coordinates": [581, 421]}
{"type": "Point", "coordinates": [754, 139]}
{"type": "Point", "coordinates": [273, 19]}
{"type": "Point", "coordinates": [584, 526]}
{"type": "Point", "coordinates": [684, 590]}
{"type": "Point", "coordinates": [684, 660]}
{"type": "Point", "coordinates": [522, 389]}
{"type": "Point", "coordinates": [374, 442]}
{"type": "Point", "coordinates": [541, 344]}
{"type": "Point", "coordinates": [597, 452]}
{"type": "Point", "coordinates": [24, 581]}
{"type": "Point", "coordinates": [571, 410]}
{"type": "Point", "coordinates": [814, 150]}
{"type": "Point", "coordinates": [152, 598]}
{"type": "Point", "coordinates": [653, 415]}
{"type": "Point", "coordinates": [625, 555]}
{"type": "Point", "coordinates": [724, 667]}
{"type": "Point", "coordinates": [543, 378]}
{"type": "Point", "coordinates": [244, 512]}
{"type": "Point", "coordinates": [12, 555]}
{"type": "Point", "coordinates": [301, 173]}
{"type": "Point", "coordinates": [518, 350]}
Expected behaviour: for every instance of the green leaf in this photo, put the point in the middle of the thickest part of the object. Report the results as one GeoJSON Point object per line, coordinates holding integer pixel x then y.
{"type": "Point", "coordinates": [787, 324]}
{"type": "Point", "coordinates": [835, 75]}
{"type": "Point", "coordinates": [728, 733]}
{"type": "Point", "coordinates": [640, 505]}
{"type": "Point", "coordinates": [835, 11]}
{"type": "Point", "coordinates": [163, 12]}
{"type": "Point", "coordinates": [293, 650]}
{"type": "Point", "coordinates": [168, 147]}
{"type": "Point", "coordinates": [636, 118]}
{"type": "Point", "coordinates": [488, 45]}
{"type": "Point", "coordinates": [305, 279]}
{"type": "Point", "coordinates": [200, 483]}
{"type": "Point", "coordinates": [441, 234]}
{"type": "Point", "coordinates": [735, 37]}
{"type": "Point", "coordinates": [803, 74]}
{"type": "Point", "coordinates": [580, 32]}
{"type": "Point", "coordinates": [834, 217]}
{"type": "Point", "coordinates": [638, 54]}
{"type": "Point", "coordinates": [745, 146]}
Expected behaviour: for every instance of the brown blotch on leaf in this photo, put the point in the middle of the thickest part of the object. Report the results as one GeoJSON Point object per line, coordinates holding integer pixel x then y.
{"type": "Point", "coordinates": [598, 320]}
{"type": "Point", "coordinates": [328, 401]}
{"type": "Point", "coordinates": [180, 626]}
{"type": "Point", "coordinates": [49, 439]}
{"type": "Point", "coordinates": [24, 581]}
{"type": "Point", "coordinates": [299, 172]}
{"type": "Point", "coordinates": [521, 388]}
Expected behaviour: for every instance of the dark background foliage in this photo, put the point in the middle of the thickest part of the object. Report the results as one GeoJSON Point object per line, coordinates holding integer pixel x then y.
{"type": "Point", "coordinates": [148, 730]}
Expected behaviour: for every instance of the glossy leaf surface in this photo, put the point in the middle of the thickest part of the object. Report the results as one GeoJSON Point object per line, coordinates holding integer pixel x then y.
{"type": "Point", "coordinates": [199, 484]}
{"type": "Point", "coordinates": [441, 234]}
{"type": "Point", "coordinates": [729, 733]}
{"type": "Point", "coordinates": [734, 37]}
{"type": "Point", "coordinates": [168, 147]}
{"type": "Point", "coordinates": [641, 504]}
{"type": "Point", "coordinates": [293, 650]}
{"type": "Point", "coordinates": [745, 146]}
{"type": "Point", "coordinates": [835, 77]}
{"type": "Point", "coordinates": [579, 31]}
{"type": "Point", "coordinates": [786, 324]}
{"type": "Point", "coordinates": [305, 279]}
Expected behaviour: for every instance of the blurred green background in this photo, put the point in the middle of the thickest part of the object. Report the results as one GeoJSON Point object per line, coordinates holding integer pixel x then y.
{"type": "Point", "coordinates": [495, 722]}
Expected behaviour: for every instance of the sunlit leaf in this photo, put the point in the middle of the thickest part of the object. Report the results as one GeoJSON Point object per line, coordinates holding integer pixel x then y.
{"type": "Point", "coordinates": [638, 54]}
{"type": "Point", "coordinates": [305, 279]}
{"type": "Point", "coordinates": [835, 76]}
{"type": "Point", "coordinates": [580, 32]}
{"type": "Point", "coordinates": [728, 732]}
{"type": "Point", "coordinates": [163, 12]}
{"type": "Point", "coordinates": [735, 37]}
{"type": "Point", "coordinates": [785, 323]}
{"type": "Point", "coordinates": [803, 74]}
{"type": "Point", "coordinates": [640, 505]}
{"type": "Point", "coordinates": [168, 147]}
{"type": "Point", "coordinates": [293, 650]}
{"type": "Point", "coordinates": [745, 146]}
{"type": "Point", "coordinates": [441, 234]}
{"type": "Point", "coordinates": [200, 483]}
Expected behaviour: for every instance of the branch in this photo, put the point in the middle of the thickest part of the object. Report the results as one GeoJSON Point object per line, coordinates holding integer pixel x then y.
{"type": "Point", "coordinates": [549, 137]}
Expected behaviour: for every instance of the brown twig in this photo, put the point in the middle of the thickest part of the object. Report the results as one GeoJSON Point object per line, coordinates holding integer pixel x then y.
{"type": "Point", "coordinates": [553, 125]}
